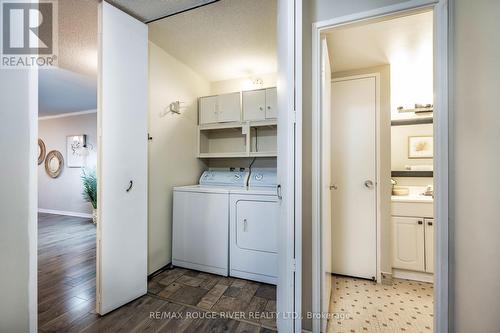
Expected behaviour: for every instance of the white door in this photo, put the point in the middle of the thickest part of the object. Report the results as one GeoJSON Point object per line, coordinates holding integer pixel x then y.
{"type": "Point", "coordinates": [429, 245]}
{"type": "Point", "coordinates": [208, 110]}
{"type": "Point", "coordinates": [326, 172]}
{"type": "Point", "coordinates": [354, 199]}
{"type": "Point", "coordinates": [229, 107]}
{"type": "Point", "coordinates": [408, 243]}
{"type": "Point", "coordinates": [254, 103]}
{"type": "Point", "coordinates": [122, 163]}
{"type": "Point", "coordinates": [271, 103]}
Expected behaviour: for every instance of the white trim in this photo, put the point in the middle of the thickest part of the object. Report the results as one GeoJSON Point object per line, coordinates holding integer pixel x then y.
{"type": "Point", "coordinates": [298, 165]}
{"type": "Point", "coordinates": [65, 213]}
{"type": "Point", "coordinates": [441, 142]}
{"type": "Point", "coordinates": [378, 169]}
{"type": "Point", "coordinates": [68, 114]}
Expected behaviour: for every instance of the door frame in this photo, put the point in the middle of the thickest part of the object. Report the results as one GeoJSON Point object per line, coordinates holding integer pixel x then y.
{"type": "Point", "coordinates": [441, 145]}
{"type": "Point", "coordinates": [378, 216]}
{"type": "Point", "coordinates": [289, 99]}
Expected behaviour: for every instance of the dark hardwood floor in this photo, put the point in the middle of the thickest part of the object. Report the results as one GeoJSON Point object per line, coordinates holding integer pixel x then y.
{"type": "Point", "coordinates": [178, 300]}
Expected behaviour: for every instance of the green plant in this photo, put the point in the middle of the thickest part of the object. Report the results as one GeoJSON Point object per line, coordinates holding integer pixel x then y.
{"type": "Point", "coordinates": [89, 180]}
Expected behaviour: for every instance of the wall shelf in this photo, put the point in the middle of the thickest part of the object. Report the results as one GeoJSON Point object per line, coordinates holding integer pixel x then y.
{"type": "Point", "coordinates": [412, 174]}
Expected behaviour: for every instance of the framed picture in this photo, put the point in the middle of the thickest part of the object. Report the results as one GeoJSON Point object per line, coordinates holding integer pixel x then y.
{"type": "Point", "coordinates": [420, 147]}
{"type": "Point", "coordinates": [74, 148]}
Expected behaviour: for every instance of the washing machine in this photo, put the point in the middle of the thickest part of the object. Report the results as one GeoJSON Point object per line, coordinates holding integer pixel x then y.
{"type": "Point", "coordinates": [200, 231]}
{"type": "Point", "coordinates": [253, 230]}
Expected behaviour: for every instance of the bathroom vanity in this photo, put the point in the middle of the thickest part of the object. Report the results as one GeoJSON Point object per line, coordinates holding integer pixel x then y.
{"type": "Point", "coordinates": [413, 236]}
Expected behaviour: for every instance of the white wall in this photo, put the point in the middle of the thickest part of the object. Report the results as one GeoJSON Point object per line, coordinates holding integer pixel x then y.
{"type": "Point", "coordinates": [475, 215]}
{"type": "Point", "coordinates": [173, 150]}
{"type": "Point", "coordinates": [18, 246]}
{"type": "Point", "coordinates": [241, 84]}
{"type": "Point", "coordinates": [64, 193]}
{"type": "Point", "coordinates": [399, 145]}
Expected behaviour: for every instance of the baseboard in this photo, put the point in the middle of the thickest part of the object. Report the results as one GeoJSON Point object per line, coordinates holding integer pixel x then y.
{"type": "Point", "coordinates": [413, 275]}
{"type": "Point", "coordinates": [66, 213]}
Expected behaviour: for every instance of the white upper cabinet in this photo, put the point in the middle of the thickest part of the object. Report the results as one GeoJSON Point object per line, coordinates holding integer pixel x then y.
{"type": "Point", "coordinates": [408, 243]}
{"type": "Point", "coordinates": [229, 107]}
{"type": "Point", "coordinates": [254, 105]}
{"type": "Point", "coordinates": [208, 110]}
{"type": "Point", "coordinates": [220, 108]}
{"type": "Point", "coordinates": [260, 104]}
{"type": "Point", "coordinates": [271, 103]}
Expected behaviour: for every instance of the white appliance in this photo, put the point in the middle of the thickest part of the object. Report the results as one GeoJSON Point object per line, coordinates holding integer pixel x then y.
{"type": "Point", "coordinates": [254, 218]}
{"type": "Point", "coordinates": [201, 222]}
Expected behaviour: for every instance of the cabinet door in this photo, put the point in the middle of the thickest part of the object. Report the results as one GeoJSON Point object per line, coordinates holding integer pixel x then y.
{"type": "Point", "coordinates": [429, 245]}
{"type": "Point", "coordinates": [271, 103]}
{"type": "Point", "coordinates": [408, 243]}
{"type": "Point", "coordinates": [254, 103]}
{"type": "Point", "coordinates": [208, 110]}
{"type": "Point", "coordinates": [229, 107]}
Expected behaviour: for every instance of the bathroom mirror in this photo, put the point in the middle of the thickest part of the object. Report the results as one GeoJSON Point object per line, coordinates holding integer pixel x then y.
{"type": "Point", "coordinates": [41, 151]}
{"type": "Point", "coordinates": [54, 163]}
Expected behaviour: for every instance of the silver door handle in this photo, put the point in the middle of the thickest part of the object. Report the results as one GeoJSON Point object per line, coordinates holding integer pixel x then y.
{"type": "Point", "coordinates": [333, 187]}
{"type": "Point", "coordinates": [368, 184]}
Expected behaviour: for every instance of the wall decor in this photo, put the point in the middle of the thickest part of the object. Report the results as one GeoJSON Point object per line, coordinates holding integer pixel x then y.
{"type": "Point", "coordinates": [41, 151]}
{"type": "Point", "coordinates": [54, 163]}
{"type": "Point", "coordinates": [420, 147]}
{"type": "Point", "coordinates": [75, 150]}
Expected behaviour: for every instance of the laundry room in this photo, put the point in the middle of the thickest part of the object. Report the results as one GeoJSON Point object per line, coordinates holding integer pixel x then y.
{"type": "Point", "coordinates": [213, 202]}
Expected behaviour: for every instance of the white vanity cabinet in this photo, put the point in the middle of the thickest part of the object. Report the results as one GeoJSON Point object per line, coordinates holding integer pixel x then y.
{"type": "Point", "coordinates": [220, 108]}
{"type": "Point", "coordinates": [259, 104]}
{"type": "Point", "coordinates": [413, 235]}
{"type": "Point", "coordinates": [408, 243]}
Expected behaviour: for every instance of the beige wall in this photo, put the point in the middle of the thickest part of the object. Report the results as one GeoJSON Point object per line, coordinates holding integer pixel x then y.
{"type": "Point", "coordinates": [65, 192]}
{"type": "Point", "coordinates": [173, 150]}
{"type": "Point", "coordinates": [385, 159]}
{"type": "Point", "coordinates": [475, 177]}
{"type": "Point", "coordinates": [399, 145]}
{"type": "Point", "coordinates": [240, 84]}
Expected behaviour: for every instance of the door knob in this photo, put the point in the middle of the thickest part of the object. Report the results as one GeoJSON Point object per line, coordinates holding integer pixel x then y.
{"type": "Point", "coordinates": [333, 187]}
{"type": "Point", "coordinates": [368, 184]}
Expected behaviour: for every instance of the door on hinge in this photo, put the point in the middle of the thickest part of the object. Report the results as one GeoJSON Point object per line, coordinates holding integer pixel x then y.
{"type": "Point", "coordinates": [122, 161]}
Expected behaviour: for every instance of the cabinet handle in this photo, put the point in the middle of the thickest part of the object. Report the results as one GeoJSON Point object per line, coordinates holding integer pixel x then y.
{"type": "Point", "coordinates": [245, 225]}
{"type": "Point", "coordinates": [269, 108]}
{"type": "Point", "coordinates": [420, 222]}
{"type": "Point", "coordinates": [261, 108]}
{"type": "Point", "coordinates": [429, 223]}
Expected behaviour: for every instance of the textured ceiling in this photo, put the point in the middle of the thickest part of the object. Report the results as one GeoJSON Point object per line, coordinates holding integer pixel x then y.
{"type": "Point", "coordinates": [73, 86]}
{"type": "Point", "coordinates": [224, 40]}
{"type": "Point", "coordinates": [148, 10]}
{"type": "Point", "coordinates": [380, 43]}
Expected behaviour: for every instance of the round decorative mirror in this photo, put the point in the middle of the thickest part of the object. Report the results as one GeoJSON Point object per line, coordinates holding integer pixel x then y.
{"type": "Point", "coordinates": [41, 151]}
{"type": "Point", "coordinates": [54, 163]}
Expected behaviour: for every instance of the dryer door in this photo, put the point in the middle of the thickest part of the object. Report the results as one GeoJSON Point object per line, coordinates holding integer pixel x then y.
{"type": "Point", "coordinates": [257, 225]}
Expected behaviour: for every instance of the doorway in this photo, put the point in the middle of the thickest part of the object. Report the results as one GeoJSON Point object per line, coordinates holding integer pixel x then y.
{"type": "Point", "coordinates": [384, 243]}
